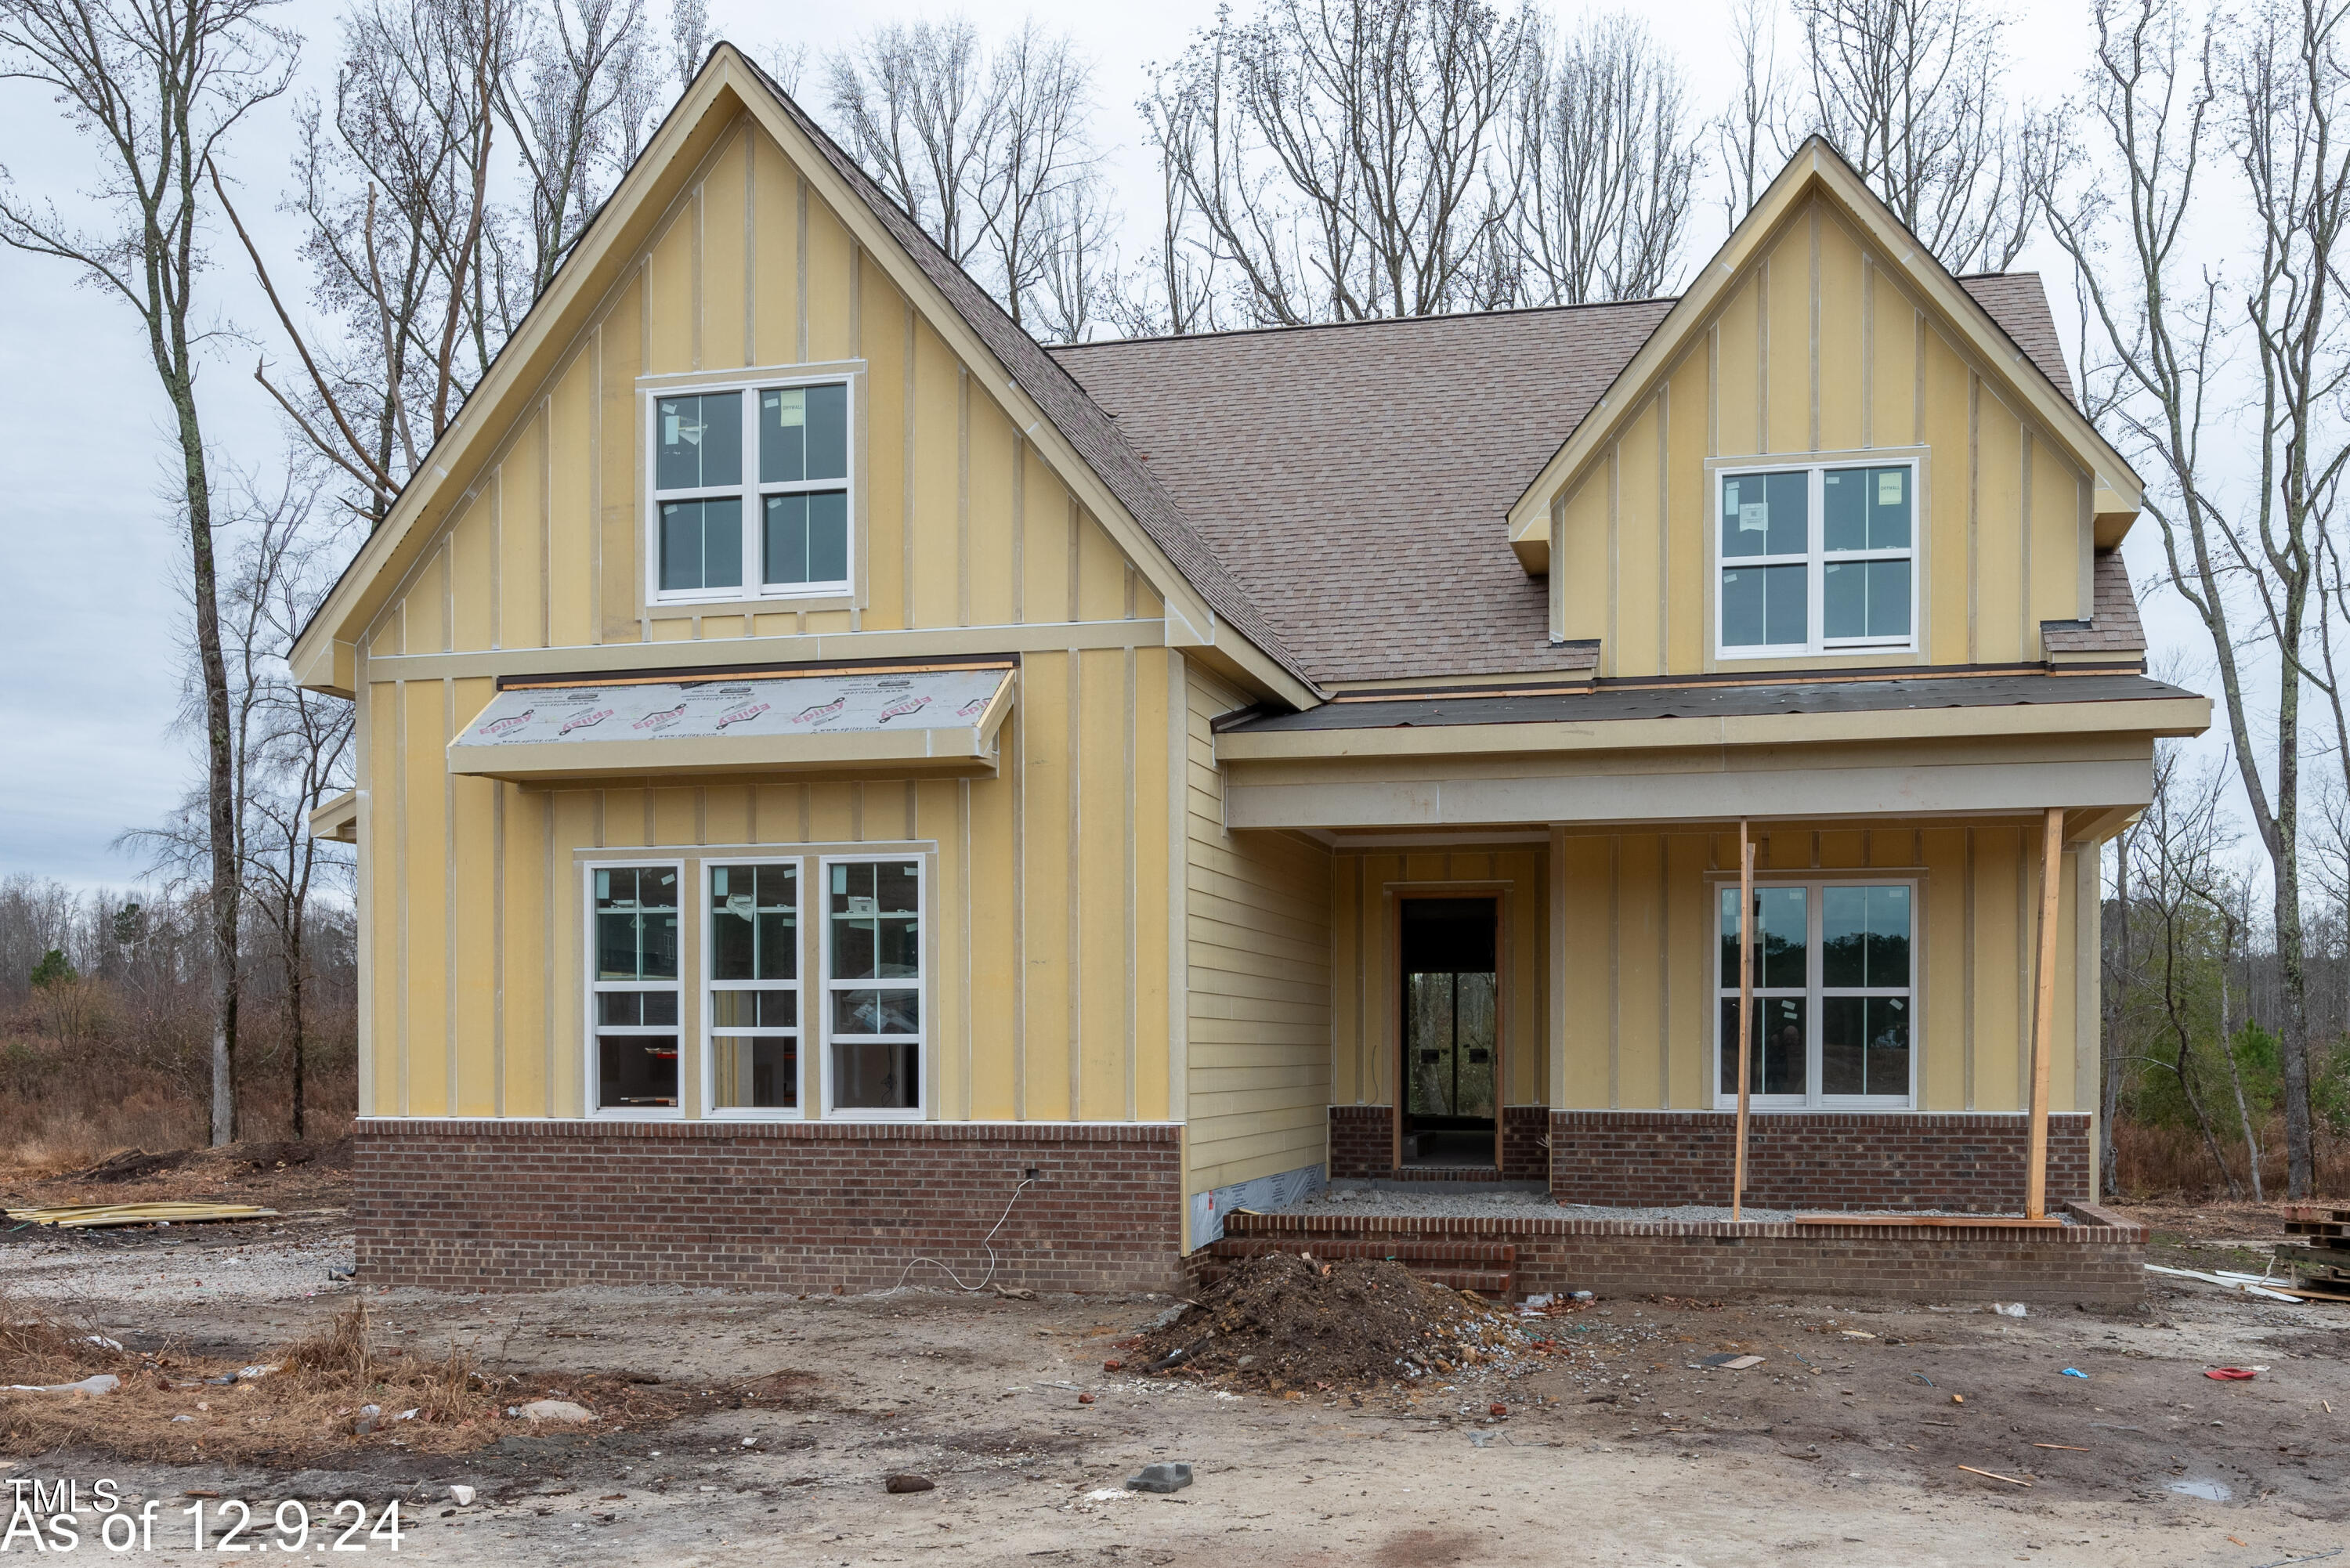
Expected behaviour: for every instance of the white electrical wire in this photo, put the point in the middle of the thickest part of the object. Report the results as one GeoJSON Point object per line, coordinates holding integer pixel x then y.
{"type": "Point", "coordinates": [1025, 1182]}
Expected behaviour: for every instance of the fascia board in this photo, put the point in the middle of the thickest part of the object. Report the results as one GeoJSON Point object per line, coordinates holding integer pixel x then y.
{"type": "Point", "coordinates": [2170, 716]}
{"type": "Point", "coordinates": [1815, 166]}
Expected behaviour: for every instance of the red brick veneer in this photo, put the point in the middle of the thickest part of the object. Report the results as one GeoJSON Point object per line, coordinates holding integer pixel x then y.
{"type": "Point", "coordinates": [798, 1205]}
{"type": "Point", "coordinates": [1362, 1143]}
{"type": "Point", "coordinates": [2099, 1262]}
{"type": "Point", "coordinates": [1970, 1162]}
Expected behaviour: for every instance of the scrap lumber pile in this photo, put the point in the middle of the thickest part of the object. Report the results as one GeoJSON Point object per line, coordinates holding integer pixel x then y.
{"type": "Point", "coordinates": [97, 1216]}
{"type": "Point", "coordinates": [2328, 1233]}
{"type": "Point", "coordinates": [1290, 1323]}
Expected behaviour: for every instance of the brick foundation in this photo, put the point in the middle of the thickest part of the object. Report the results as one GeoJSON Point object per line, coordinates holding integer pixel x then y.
{"type": "Point", "coordinates": [1362, 1144]}
{"type": "Point", "coordinates": [1969, 1162]}
{"type": "Point", "coordinates": [798, 1205]}
{"type": "Point", "coordinates": [2097, 1262]}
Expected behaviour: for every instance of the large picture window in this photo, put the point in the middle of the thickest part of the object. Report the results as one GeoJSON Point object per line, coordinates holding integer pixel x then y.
{"type": "Point", "coordinates": [634, 995]}
{"type": "Point", "coordinates": [750, 491]}
{"type": "Point", "coordinates": [1835, 984]}
{"type": "Point", "coordinates": [873, 983]}
{"type": "Point", "coordinates": [753, 993]}
{"type": "Point", "coordinates": [1816, 559]}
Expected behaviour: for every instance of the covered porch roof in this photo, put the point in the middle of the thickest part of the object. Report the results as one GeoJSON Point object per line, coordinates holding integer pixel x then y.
{"type": "Point", "coordinates": [1967, 744]}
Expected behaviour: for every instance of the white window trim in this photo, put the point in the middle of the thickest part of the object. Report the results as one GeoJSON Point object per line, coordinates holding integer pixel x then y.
{"type": "Point", "coordinates": [592, 1085]}
{"type": "Point", "coordinates": [750, 491]}
{"type": "Point", "coordinates": [1815, 559]}
{"type": "Point", "coordinates": [707, 1006]}
{"type": "Point", "coordinates": [1814, 1014]}
{"type": "Point", "coordinates": [827, 985]}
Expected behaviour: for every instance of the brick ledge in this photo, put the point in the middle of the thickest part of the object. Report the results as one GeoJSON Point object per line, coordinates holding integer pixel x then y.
{"type": "Point", "coordinates": [784, 1131]}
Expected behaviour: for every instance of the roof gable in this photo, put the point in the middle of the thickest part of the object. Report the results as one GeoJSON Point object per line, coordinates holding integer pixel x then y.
{"type": "Point", "coordinates": [2025, 363]}
{"type": "Point", "coordinates": [1206, 608]}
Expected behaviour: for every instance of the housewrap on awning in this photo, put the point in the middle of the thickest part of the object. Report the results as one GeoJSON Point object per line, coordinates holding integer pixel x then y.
{"type": "Point", "coordinates": [927, 717]}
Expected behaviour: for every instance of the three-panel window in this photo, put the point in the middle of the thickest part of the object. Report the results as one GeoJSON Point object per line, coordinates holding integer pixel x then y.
{"type": "Point", "coordinates": [741, 980]}
{"type": "Point", "coordinates": [1816, 559]}
{"type": "Point", "coordinates": [750, 493]}
{"type": "Point", "coordinates": [1834, 992]}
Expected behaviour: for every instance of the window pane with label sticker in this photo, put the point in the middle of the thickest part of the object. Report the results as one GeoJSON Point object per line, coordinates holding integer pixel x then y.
{"type": "Point", "coordinates": [753, 922]}
{"type": "Point", "coordinates": [806, 538]}
{"type": "Point", "coordinates": [802, 434]}
{"type": "Point", "coordinates": [1766, 514]}
{"type": "Point", "coordinates": [1778, 1051]}
{"type": "Point", "coordinates": [700, 544]}
{"type": "Point", "coordinates": [698, 442]}
{"type": "Point", "coordinates": [1764, 605]}
{"type": "Point", "coordinates": [1865, 508]}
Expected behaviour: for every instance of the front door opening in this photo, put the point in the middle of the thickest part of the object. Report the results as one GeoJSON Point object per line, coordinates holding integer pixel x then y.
{"type": "Point", "coordinates": [1449, 1045]}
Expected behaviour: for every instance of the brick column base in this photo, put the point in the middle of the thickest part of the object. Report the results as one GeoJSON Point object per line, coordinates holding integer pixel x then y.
{"type": "Point", "coordinates": [1969, 1162]}
{"type": "Point", "coordinates": [790, 1206]}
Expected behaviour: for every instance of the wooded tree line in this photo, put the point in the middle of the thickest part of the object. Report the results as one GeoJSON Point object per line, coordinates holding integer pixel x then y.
{"type": "Point", "coordinates": [1316, 160]}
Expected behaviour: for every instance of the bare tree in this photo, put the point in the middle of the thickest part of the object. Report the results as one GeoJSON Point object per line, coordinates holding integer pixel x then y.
{"type": "Point", "coordinates": [989, 151]}
{"type": "Point", "coordinates": [2177, 846]}
{"type": "Point", "coordinates": [1753, 135]}
{"type": "Point", "coordinates": [1914, 93]}
{"type": "Point", "coordinates": [576, 104]}
{"type": "Point", "coordinates": [157, 86]}
{"type": "Point", "coordinates": [2201, 370]}
{"type": "Point", "coordinates": [1604, 164]}
{"type": "Point", "coordinates": [1341, 159]}
{"type": "Point", "coordinates": [689, 36]}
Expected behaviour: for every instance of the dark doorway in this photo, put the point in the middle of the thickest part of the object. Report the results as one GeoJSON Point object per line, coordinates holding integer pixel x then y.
{"type": "Point", "coordinates": [1451, 1049]}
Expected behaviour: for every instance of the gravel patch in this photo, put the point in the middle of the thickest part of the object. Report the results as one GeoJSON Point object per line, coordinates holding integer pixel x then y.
{"type": "Point", "coordinates": [255, 1271]}
{"type": "Point", "coordinates": [1495, 1200]}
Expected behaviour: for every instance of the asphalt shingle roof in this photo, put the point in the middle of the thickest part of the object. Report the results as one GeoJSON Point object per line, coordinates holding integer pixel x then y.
{"type": "Point", "coordinates": [1356, 476]}
{"type": "Point", "coordinates": [2114, 626]}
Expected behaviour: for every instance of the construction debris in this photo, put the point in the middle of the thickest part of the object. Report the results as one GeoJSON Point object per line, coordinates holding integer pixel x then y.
{"type": "Point", "coordinates": [2246, 1284]}
{"type": "Point", "coordinates": [95, 1216]}
{"type": "Point", "coordinates": [1287, 1322]}
{"type": "Point", "coordinates": [902, 1484]}
{"type": "Point", "coordinates": [1170, 1477]}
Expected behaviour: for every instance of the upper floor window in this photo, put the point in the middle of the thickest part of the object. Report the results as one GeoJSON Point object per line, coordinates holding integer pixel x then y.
{"type": "Point", "coordinates": [750, 493]}
{"type": "Point", "coordinates": [1816, 559]}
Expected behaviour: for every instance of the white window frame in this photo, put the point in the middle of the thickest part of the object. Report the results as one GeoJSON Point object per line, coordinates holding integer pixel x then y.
{"type": "Point", "coordinates": [827, 985]}
{"type": "Point", "coordinates": [749, 491]}
{"type": "Point", "coordinates": [592, 988]}
{"type": "Point", "coordinates": [711, 985]}
{"type": "Point", "coordinates": [1815, 559]}
{"type": "Point", "coordinates": [1815, 995]}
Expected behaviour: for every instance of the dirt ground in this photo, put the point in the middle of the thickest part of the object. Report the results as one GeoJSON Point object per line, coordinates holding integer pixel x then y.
{"type": "Point", "coordinates": [1836, 1449]}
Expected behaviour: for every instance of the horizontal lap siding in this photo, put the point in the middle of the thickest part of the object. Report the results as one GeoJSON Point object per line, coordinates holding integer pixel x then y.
{"type": "Point", "coordinates": [1258, 1009]}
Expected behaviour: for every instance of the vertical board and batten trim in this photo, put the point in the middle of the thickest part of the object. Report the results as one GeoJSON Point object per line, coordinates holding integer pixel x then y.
{"type": "Point", "coordinates": [1968, 1015]}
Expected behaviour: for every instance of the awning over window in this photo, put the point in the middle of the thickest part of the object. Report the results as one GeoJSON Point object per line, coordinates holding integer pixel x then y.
{"type": "Point", "coordinates": [891, 719]}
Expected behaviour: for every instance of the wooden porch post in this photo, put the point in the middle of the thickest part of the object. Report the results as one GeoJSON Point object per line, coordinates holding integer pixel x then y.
{"type": "Point", "coordinates": [1745, 1009]}
{"type": "Point", "coordinates": [2043, 1016]}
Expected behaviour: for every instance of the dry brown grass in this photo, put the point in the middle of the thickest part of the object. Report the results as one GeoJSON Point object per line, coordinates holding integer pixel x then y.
{"type": "Point", "coordinates": [312, 1410]}
{"type": "Point", "coordinates": [2172, 1162]}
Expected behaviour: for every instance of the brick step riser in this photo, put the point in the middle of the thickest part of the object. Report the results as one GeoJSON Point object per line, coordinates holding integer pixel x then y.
{"type": "Point", "coordinates": [1494, 1286]}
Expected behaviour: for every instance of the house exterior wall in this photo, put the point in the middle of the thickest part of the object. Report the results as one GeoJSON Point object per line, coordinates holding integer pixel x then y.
{"type": "Point", "coordinates": [1818, 348]}
{"type": "Point", "coordinates": [1258, 950]}
{"type": "Point", "coordinates": [1632, 1019]}
{"type": "Point", "coordinates": [1051, 939]}
{"type": "Point", "coordinates": [1365, 989]}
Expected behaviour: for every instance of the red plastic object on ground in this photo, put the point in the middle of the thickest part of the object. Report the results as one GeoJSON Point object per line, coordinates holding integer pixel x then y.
{"type": "Point", "coordinates": [2233, 1374]}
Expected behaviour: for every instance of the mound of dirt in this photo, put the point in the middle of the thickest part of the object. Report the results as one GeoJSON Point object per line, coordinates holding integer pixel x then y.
{"type": "Point", "coordinates": [130, 1165]}
{"type": "Point", "coordinates": [1287, 1319]}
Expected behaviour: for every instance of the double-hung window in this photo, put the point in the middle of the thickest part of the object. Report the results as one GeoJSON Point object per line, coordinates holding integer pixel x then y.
{"type": "Point", "coordinates": [1834, 989]}
{"type": "Point", "coordinates": [634, 998]}
{"type": "Point", "coordinates": [754, 996]}
{"type": "Point", "coordinates": [1816, 559]}
{"type": "Point", "coordinates": [750, 493]}
{"type": "Point", "coordinates": [873, 983]}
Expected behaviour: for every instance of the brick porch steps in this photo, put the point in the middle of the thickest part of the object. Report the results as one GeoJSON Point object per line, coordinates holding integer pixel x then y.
{"type": "Point", "coordinates": [1489, 1268]}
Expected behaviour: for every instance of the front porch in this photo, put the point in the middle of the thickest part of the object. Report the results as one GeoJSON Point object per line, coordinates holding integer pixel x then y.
{"type": "Point", "coordinates": [2096, 1259]}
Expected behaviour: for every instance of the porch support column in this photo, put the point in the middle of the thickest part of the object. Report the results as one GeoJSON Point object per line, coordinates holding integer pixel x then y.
{"type": "Point", "coordinates": [1746, 1011]}
{"type": "Point", "coordinates": [2043, 1016]}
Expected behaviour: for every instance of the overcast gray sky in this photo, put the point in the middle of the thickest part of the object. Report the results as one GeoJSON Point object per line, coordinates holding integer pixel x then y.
{"type": "Point", "coordinates": [89, 611]}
